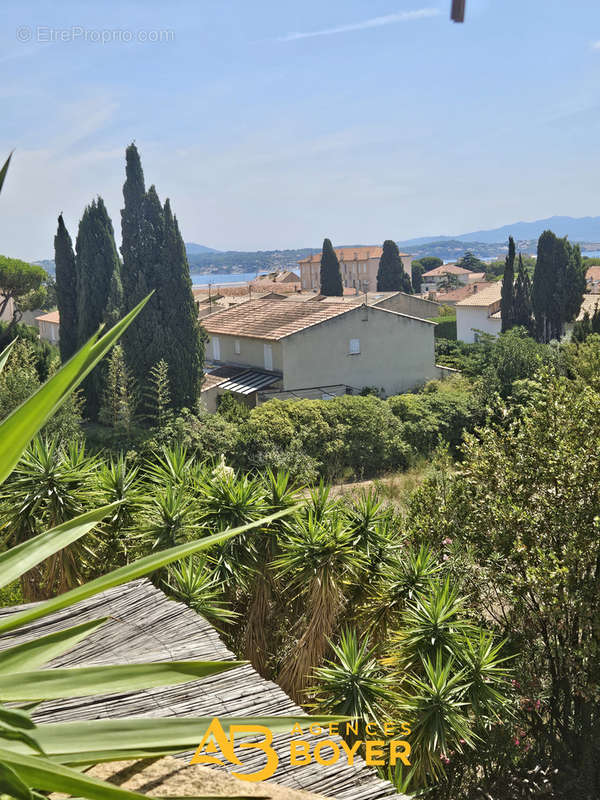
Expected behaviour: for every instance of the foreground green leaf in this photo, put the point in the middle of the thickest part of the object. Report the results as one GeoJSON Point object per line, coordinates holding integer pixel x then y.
{"type": "Point", "coordinates": [130, 572]}
{"type": "Point", "coordinates": [20, 559]}
{"type": "Point", "coordinates": [30, 655]}
{"type": "Point", "coordinates": [4, 170]}
{"type": "Point", "coordinates": [17, 430]}
{"type": "Point", "coordinates": [50, 684]}
{"type": "Point", "coordinates": [5, 354]}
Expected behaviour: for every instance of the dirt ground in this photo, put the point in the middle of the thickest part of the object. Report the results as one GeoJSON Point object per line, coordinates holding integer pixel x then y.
{"type": "Point", "coordinates": [174, 778]}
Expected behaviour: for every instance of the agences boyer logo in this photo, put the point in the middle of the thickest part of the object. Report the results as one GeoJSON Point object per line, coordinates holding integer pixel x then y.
{"type": "Point", "coordinates": [380, 746]}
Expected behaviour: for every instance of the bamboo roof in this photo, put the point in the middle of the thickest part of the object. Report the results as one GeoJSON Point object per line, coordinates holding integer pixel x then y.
{"type": "Point", "coordinates": [144, 625]}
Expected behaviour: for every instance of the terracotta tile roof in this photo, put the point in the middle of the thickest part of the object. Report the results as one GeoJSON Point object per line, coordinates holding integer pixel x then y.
{"type": "Point", "coordinates": [53, 316]}
{"type": "Point", "coordinates": [445, 269]}
{"type": "Point", "coordinates": [593, 274]}
{"type": "Point", "coordinates": [588, 304]}
{"type": "Point", "coordinates": [350, 254]}
{"type": "Point", "coordinates": [477, 276]}
{"type": "Point", "coordinates": [271, 320]}
{"type": "Point", "coordinates": [455, 295]}
{"type": "Point", "coordinates": [219, 375]}
{"type": "Point", "coordinates": [483, 297]}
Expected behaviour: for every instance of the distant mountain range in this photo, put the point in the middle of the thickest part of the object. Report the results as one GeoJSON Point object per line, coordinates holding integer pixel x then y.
{"type": "Point", "coordinates": [578, 229]}
{"type": "Point", "coordinates": [192, 249]}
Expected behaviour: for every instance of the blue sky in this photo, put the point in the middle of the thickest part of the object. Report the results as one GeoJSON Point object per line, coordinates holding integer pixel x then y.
{"type": "Point", "coordinates": [274, 124]}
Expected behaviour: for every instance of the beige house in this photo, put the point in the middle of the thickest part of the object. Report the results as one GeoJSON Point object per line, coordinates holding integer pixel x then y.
{"type": "Point", "coordinates": [479, 312]}
{"type": "Point", "coordinates": [48, 326]}
{"type": "Point", "coordinates": [434, 277]}
{"type": "Point", "coordinates": [316, 349]}
{"type": "Point", "coordinates": [358, 266]}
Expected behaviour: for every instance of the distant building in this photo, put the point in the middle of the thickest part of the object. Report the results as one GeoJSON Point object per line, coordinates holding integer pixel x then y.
{"type": "Point", "coordinates": [358, 266]}
{"type": "Point", "coordinates": [479, 312]}
{"type": "Point", "coordinates": [48, 326]}
{"type": "Point", "coordinates": [452, 297]}
{"type": "Point", "coordinates": [592, 277]}
{"type": "Point", "coordinates": [434, 277]}
{"type": "Point", "coordinates": [307, 349]}
{"type": "Point", "coordinates": [283, 276]}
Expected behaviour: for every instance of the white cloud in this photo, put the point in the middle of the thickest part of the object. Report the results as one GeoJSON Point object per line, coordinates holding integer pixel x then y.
{"type": "Point", "coordinates": [374, 22]}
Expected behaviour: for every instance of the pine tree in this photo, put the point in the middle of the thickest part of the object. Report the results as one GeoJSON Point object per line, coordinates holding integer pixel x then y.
{"type": "Point", "coordinates": [99, 291]}
{"type": "Point", "coordinates": [158, 394]}
{"type": "Point", "coordinates": [508, 280]}
{"type": "Point", "coordinates": [119, 397]}
{"type": "Point", "coordinates": [331, 277]}
{"type": "Point", "coordinates": [391, 276]}
{"type": "Point", "coordinates": [66, 290]}
{"type": "Point", "coordinates": [522, 313]}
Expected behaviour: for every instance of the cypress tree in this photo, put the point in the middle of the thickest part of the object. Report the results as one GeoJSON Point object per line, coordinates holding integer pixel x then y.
{"type": "Point", "coordinates": [66, 290]}
{"type": "Point", "coordinates": [522, 314]}
{"type": "Point", "coordinates": [558, 285]}
{"type": "Point", "coordinates": [391, 276]}
{"type": "Point", "coordinates": [544, 286]}
{"type": "Point", "coordinates": [184, 339]}
{"type": "Point", "coordinates": [508, 280]}
{"type": "Point", "coordinates": [99, 291]}
{"type": "Point", "coordinates": [331, 277]}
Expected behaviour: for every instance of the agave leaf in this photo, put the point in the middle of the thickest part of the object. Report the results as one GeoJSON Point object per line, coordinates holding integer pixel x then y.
{"type": "Point", "coordinates": [12, 785]}
{"type": "Point", "coordinates": [4, 170]}
{"type": "Point", "coordinates": [5, 354]}
{"type": "Point", "coordinates": [17, 430]}
{"type": "Point", "coordinates": [30, 655]}
{"type": "Point", "coordinates": [16, 718]}
{"type": "Point", "coordinates": [20, 559]}
{"type": "Point", "coordinates": [48, 776]}
{"type": "Point", "coordinates": [130, 572]}
{"type": "Point", "coordinates": [88, 741]}
{"type": "Point", "coordinates": [50, 684]}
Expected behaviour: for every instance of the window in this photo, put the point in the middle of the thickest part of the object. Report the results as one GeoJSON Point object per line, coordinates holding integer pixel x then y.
{"type": "Point", "coordinates": [354, 348]}
{"type": "Point", "coordinates": [236, 346]}
{"type": "Point", "coordinates": [268, 351]}
{"type": "Point", "coordinates": [216, 348]}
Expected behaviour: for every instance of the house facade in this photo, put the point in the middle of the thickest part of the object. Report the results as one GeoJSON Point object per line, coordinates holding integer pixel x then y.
{"type": "Point", "coordinates": [479, 312]}
{"type": "Point", "coordinates": [303, 348]}
{"type": "Point", "coordinates": [358, 267]}
{"type": "Point", "coordinates": [434, 277]}
{"type": "Point", "coordinates": [48, 326]}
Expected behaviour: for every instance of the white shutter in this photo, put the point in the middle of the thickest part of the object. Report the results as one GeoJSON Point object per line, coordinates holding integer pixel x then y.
{"type": "Point", "coordinates": [216, 348]}
{"type": "Point", "coordinates": [354, 347]}
{"type": "Point", "coordinates": [268, 357]}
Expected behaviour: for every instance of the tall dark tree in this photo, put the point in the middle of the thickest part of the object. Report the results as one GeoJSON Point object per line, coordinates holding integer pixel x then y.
{"type": "Point", "coordinates": [558, 286]}
{"type": "Point", "coordinates": [391, 276]}
{"type": "Point", "coordinates": [416, 272]}
{"type": "Point", "coordinates": [184, 339]}
{"type": "Point", "coordinates": [331, 277]}
{"type": "Point", "coordinates": [522, 312]}
{"type": "Point", "coordinates": [471, 262]}
{"type": "Point", "coordinates": [99, 290]}
{"type": "Point", "coordinates": [508, 286]}
{"type": "Point", "coordinates": [154, 259]}
{"type": "Point", "coordinates": [66, 290]}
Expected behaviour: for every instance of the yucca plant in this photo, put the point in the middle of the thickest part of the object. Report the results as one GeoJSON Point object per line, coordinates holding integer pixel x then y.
{"type": "Point", "coordinates": [119, 482]}
{"type": "Point", "coordinates": [353, 683]}
{"type": "Point", "coordinates": [405, 576]}
{"type": "Point", "coordinates": [317, 561]}
{"type": "Point", "coordinates": [193, 582]}
{"type": "Point", "coordinates": [50, 485]}
{"type": "Point", "coordinates": [279, 495]}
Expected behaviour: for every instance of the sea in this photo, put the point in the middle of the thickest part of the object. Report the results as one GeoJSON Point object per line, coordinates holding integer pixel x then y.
{"type": "Point", "coordinates": [203, 279]}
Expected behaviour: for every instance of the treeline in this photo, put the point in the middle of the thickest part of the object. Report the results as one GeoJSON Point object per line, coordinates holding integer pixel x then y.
{"type": "Point", "coordinates": [95, 286]}
{"type": "Point", "coordinates": [543, 306]}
